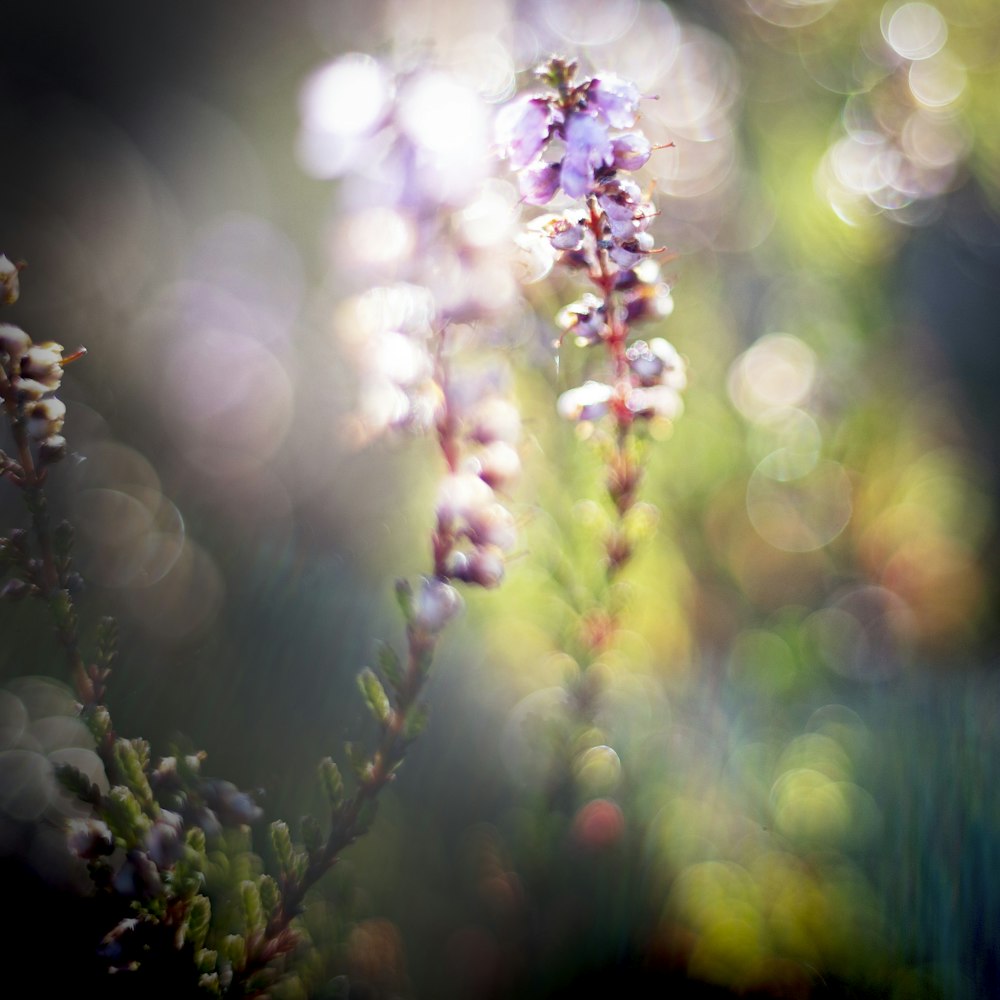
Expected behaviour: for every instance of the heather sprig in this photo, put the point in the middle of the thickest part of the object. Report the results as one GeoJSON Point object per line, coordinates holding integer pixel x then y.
{"type": "Point", "coordinates": [576, 142]}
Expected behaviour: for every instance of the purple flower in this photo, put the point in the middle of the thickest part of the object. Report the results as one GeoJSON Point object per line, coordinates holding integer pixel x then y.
{"type": "Point", "coordinates": [585, 319]}
{"type": "Point", "coordinates": [588, 147]}
{"type": "Point", "coordinates": [522, 128]}
{"type": "Point", "coordinates": [631, 151]}
{"type": "Point", "coordinates": [589, 401]}
{"type": "Point", "coordinates": [628, 253]}
{"type": "Point", "coordinates": [615, 100]}
{"type": "Point", "coordinates": [435, 605]}
{"type": "Point", "coordinates": [539, 182]}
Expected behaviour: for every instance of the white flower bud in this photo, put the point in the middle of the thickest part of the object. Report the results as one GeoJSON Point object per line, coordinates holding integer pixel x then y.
{"type": "Point", "coordinates": [493, 525]}
{"type": "Point", "coordinates": [45, 417]}
{"type": "Point", "coordinates": [13, 340]}
{"type": "Point", "coordinates": [674, 373]}
{"type": "Point", "coordinates": [497, 463]}
{"type": "Point", "coordinates": [42, 362]}
{"type": "Point", "coordinates": [486, 566]}
{"type": "Point", "coordinates": [435, 605]}
{"type": "Point", "coordinates": [655, 401]}
{"type": "Point", "coordinates": [495, 419]}
{"type": "Point", "coordinates": [586, 402]}
{"type": "Point", "coordinates": [461, 495]}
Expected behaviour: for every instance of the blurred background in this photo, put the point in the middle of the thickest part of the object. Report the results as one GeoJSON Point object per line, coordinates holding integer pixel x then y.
{"type": "Point", "coordinates": [788, 790]}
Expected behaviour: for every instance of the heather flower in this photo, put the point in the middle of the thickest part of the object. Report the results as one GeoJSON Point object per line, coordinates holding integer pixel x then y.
{"type": "Point", "coordinates": [614, 99]}
{"type": "Point", "coordinates": [45, 417]}
{"type": "Point", "coordinates": [589, 401]}
{"type": "Point", "coordinates": [588, 148]}
{"type": "Point", "coordinates": [539, 182]}
{"type": "Point", "coordinates": [9, 289]}
{"type": "Point", "coordinates": [435, 605]}
{"type": "Point", "coordinates": [630, 151]}
{"type": "Point", "coordinates": [522, 128]}
{"type": "Point", "coordinates": [164, 842]}
{"type": "Point", "coordinates": [497, 463]}
{"type": "Point", "coordinates": [89, 838]}
{"type": "Point", "coordinates": [585, 320]}
{"type": "Point", "coordinates": [460, 496]}
{"type": "Point", "coordinates": [494, 419]}
{"type": "Point", "coordinates": [13, 341]}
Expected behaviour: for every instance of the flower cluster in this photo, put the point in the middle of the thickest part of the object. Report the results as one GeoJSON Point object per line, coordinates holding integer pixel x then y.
{"type": "Point", "coordinates": [31, 375]}
{"type": "Point", "coordinates": [417, 164]}
{"type": "Point", "coordinates": [474, 529]}
{"type": "Point", "coordinates": [569, 139]}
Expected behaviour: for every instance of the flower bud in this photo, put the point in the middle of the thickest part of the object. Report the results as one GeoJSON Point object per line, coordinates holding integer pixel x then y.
{"type": "Point", "coordinates": [52, 449]}
{"type": "Point", "coordinates": [586, 402]}
{"type": "Point", "coordinates": [43, 363]}
{"type": "Point", "coordinates": [13, 340]}
{"type": "Point", "coordinates": [497, 464]}
{"type": "Point", "coordinates": [9, 285]}
{"type": "Point", "coordinates": [164, 843]}
{"type": "Point", "coordinates": [486, 566]}
{"type": "Point", "coordinates": [89, 838]}
{"type": "Point", "coordinates": [655, 401]}
{"type": "Point", "coordinates": [493, 525]}
{"type": "Point", "coordinates": [436, 604]}
{"type": "Point", "coordinates": [495, 419]}
{"type": "Point", "coordinates": [45, 417]}
{"type": "Point", "coordinates": [585, 319]}
{"type": "Point", "coordinates": [460, 495]}
{"type": "Point", "coordinates": [483, 565]}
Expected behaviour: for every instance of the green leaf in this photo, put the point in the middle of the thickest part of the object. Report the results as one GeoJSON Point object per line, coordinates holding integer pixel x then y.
{"type": "Point", "coordinates": [107, 643]}
{"type": "Point", "coordinates": [198, 922]}
{"type": "Point", "coordinates": [404, 596]}
{"type": "Point", "coordinates": [333, 783]}
{"type": "Point", "coordinates": [125, 817]}
{"type": "Point", "coordinates": [389, 664]}
{"type": "Point", "coordinates": [234, 947]}
{"type": "Point", "coordinates": [270, 895]}
{"type": "Point", "coordinates": [132, 758]}
{"type": "Point", "coordinates": [281, 839]}
{"type": "Point", "coordinates": [416, 721]}
{"type": "Point", "coordinates": [358, 760]}
{"type": "Point", "coordinates": [253, 910]}
{"type": "Point", "coordinates": [312, 835]}
{"type": "Point", "coordinates": [375, 696]}
{"type": "Point", "coordinates": [98, 721]}
{"type": "Point", "coordinates": [205, 960]}
{"type": "Point", "coordinates": [196, 841]}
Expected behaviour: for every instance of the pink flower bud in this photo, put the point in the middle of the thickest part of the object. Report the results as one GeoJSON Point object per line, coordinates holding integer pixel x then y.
{"type": "Point", "coordinates": [497, 463]}
{"type": "Point", "coordinates": [495, 419]}
{"type": "Point", "coordinates": [631, 150]}
{"type": "Point", "coordinates": [435, 605]}
{"type": "Point", "coordinates": [485, 566]}
{"type": "Point", "coordinates": [493, 525]}
{"type": "Point", "coordinates": [461, 495]}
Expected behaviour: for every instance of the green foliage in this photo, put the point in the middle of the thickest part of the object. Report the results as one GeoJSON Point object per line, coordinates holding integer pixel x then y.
{"type": "Point", "coordinates": [374, 695]}
{"type": "Point", "coordinates": [333, 783]}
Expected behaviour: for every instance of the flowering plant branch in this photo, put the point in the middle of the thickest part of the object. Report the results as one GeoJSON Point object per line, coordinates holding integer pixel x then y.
{"type": "Point", "coordinates": [571, 139]}
{"type": "Point", "coordinates": [152, 825]}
